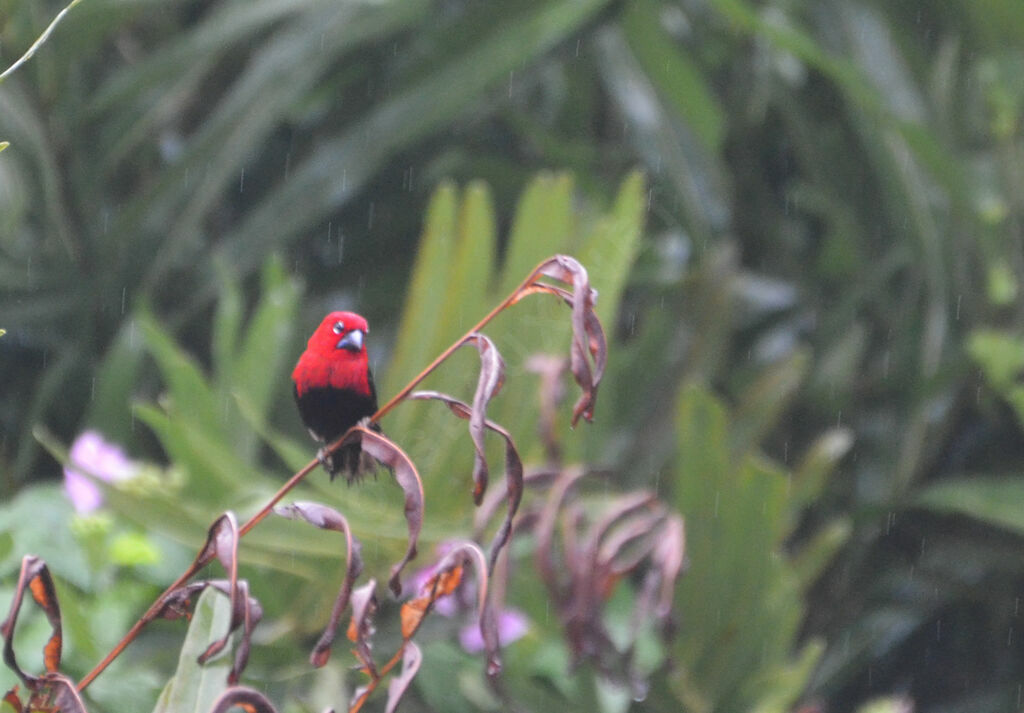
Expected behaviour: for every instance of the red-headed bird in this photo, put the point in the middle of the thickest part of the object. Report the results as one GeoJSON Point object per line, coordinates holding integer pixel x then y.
{"type": "Point", "coordinates": [334, 389]}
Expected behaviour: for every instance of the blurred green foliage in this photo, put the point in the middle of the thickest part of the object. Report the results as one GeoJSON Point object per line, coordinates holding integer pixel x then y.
{"type": "Point", "coordinates": [832, 198]}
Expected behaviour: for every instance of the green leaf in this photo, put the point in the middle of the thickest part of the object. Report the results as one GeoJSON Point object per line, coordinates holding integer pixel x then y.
{"type": "Point", "coordinates": [115, 382]}
{"type": "Point", "coordinates": [266, 346]}
{"type": "Point", "coordinates": [213, 467]}
{"type": "Point", "coordinates": [472, 265]}
{"type": "Point", "coordinates": [30, 52]}
{"type": "Point", "coordinates": [424, 301]}
{"type": "Point", "coordinates": [544, 224]}
{"type": "Point", "coordinates": [995, 501]}
{"type": "Point", "coordinates": [741, 592]}
{"type": "Point", "coordinates": [194, 687]}
{"type": "Point", "coordinates": [820, 550]}
{"type": "Point", "coordinates": [817, 464]}
{"type": "Point", "coordinates": [764, 401]}
{"type": "Point", "coordinates": [889, 704]}
{"type": "Point", "coordinates": [779, 690]}
{"type": "Point", "coordinates": [674, 74]}
{"type": "Point", "coordinates": [1002, 285]}
{"type": "Point", "coordinates": [36, 521]}
{"type": "Point", "coordinates": [189, 391]}
{"type": "Point", "coordinates": [610, 248]}
{"type": "Point", "coordinates": [1000, 356]}
{"type": "Point", "coordinates": [227, 324]}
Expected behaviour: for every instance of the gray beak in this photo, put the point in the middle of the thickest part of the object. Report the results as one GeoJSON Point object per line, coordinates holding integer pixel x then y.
{"type": "Point", "coordinates": [353, 341]}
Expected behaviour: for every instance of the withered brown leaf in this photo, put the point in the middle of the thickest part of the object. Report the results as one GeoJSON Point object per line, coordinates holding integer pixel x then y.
{"type": "Point", "coordinates": [34, 577]}
{"type": "Point", "coordinates": [513, 466]}
{"type": "Point", "coordinates": [329, 519]}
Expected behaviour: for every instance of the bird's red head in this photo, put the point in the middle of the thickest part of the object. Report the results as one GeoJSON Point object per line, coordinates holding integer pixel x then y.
{"type": "Point", "coordinates": [335, 356]}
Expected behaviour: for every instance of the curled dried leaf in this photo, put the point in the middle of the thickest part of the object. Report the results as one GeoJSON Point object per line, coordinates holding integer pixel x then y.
{"type": "Point", "coordinates": [248, 699]}
{"type": "Point", "coordinates": [587, 333]}
{"type": "Point", "coordinates": [12, 699]}
{"type": "Point", "coordinates": [328, 518]}
{"type": "Point", "coordinates": [456, 558]}
{"type": "Point", "coordinates": [412, 657]}
{"type": "Point", "coordinates": [634, 536]}
{"type": "Point", "coordinates": [545, 530]}
{"type": "Point", "coordinates": [617, 512]}
{"type": "Point", "coordinates": [34, 577]}
{"type": "Point", "coordinates": [360, 628]}
{"type": "Point", "coordinates": [50, 692]}
{"type": "Point", "coordinates": [489, 383]}
{"type": "Point", "coordinates": [181, 602]}
{"type": "Point", "coordinates": [387, 452]}
{"type": "Point", "coordinates": [669, 555]}
{"type": "Point", "coordinates": [222, 543]}
{"type": "Point", "coordinates": [513, 467]}
{"type": "Point", "coordinates": [439, 585]}
{"type": "Point", "coordinates": [551, 392]}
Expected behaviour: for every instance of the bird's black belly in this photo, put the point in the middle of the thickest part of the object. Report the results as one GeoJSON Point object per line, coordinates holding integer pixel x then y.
{"type": "Point", "coordinates": [328, 413]}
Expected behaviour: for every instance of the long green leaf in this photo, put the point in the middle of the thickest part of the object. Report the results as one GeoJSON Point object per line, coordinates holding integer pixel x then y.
{"type": "Point", "coordinates": [994, 501]}
{"type": "Point", "coordinates": [195, 687]}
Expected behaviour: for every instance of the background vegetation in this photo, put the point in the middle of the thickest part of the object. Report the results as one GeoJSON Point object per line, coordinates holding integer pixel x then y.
{"type": "Point", "coordinates": [812, 290]}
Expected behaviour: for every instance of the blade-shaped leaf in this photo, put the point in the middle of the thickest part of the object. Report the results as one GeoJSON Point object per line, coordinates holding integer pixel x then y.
{"type": "Point", "coordinates": [195, 686]}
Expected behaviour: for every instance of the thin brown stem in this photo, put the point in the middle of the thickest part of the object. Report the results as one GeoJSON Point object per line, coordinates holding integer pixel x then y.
{"type": "Point", "coordinates": [137, 627]}
{"type": "Point", "coordinates": [504, 304]}
{"type": "Point", "coordinates": [282, 491]}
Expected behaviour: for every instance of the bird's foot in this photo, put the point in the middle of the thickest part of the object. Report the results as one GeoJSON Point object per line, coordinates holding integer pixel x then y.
{"type": "Point", "coordinates": [327, 460]}
{"type": "Point", "coordinates": [365, 422]}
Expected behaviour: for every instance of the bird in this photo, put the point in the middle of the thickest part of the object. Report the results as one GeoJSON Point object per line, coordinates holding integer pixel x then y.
{"type": "Point", "coordinates": [334, 390]}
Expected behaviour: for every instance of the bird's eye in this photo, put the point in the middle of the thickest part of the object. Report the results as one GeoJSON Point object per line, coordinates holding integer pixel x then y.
{"type": "Point", "coordinates": [339, 327]}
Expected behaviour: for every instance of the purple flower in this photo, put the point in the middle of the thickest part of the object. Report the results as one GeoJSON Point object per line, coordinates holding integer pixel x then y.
{"type": "Point", "coordinates": [106, 461]}
{"type": "Point", "coordinates": [512, 626]}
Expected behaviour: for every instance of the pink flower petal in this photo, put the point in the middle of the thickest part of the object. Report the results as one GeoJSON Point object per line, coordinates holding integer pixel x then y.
{"type": "Point", "coordinates": [106, 461]}
{"type": "Point", "coordinates": [512, 626]}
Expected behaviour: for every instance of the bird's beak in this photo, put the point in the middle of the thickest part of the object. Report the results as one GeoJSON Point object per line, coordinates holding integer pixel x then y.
{"type": "Point", "coordinates": [353, 341]}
